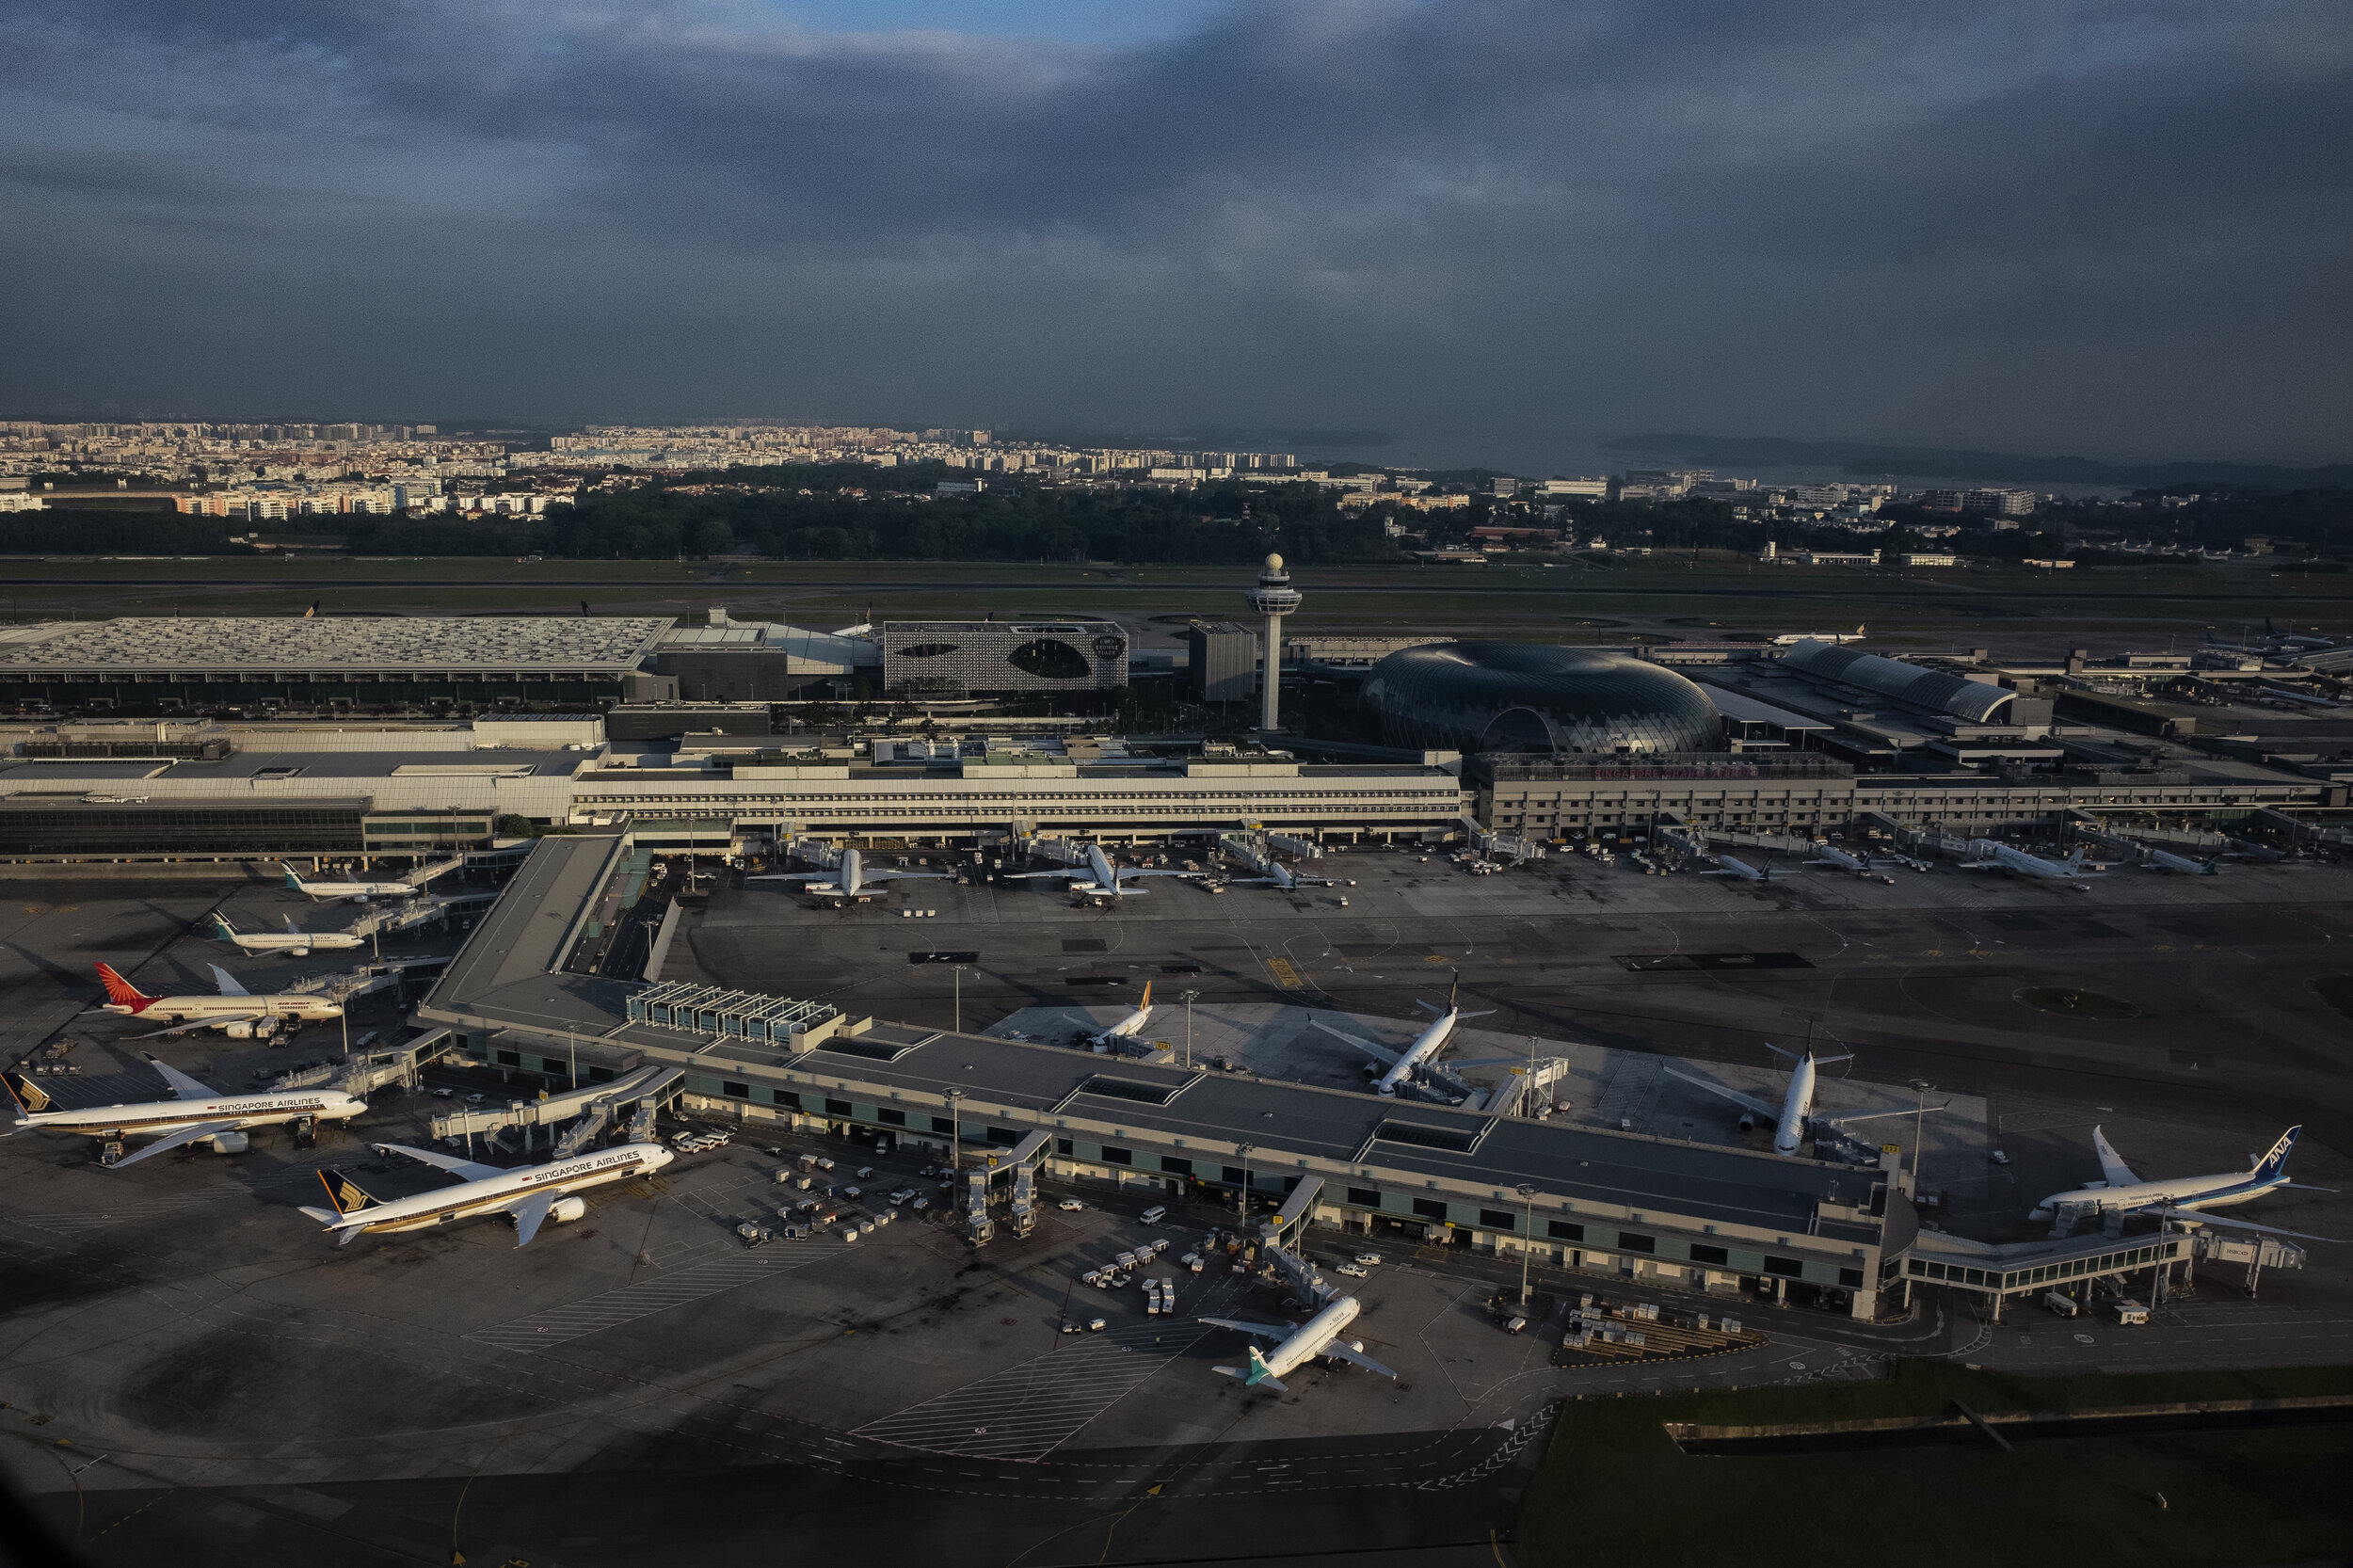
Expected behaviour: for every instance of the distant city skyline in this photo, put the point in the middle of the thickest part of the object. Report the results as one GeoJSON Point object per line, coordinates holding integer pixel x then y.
{"type": "Point", "coordinates": [1502, 232]}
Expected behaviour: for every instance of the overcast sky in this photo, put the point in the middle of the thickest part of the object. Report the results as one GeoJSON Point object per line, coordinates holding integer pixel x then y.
{"type": "Point", "coordinates": [2114, 229]}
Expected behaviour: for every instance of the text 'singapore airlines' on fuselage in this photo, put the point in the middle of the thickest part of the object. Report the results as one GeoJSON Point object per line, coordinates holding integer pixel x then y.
{"type": "Point", "coordinates": [197, 1112]}
{"type": "Point", "coordinates": [530, 1194]}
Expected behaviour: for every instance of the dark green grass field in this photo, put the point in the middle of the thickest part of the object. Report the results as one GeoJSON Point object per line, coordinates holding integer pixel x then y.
{"type": "Point", "coordinates": [1613, 1488]}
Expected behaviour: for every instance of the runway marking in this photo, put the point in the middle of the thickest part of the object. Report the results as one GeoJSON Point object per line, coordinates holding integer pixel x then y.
{"type": "Point", "coordinates": [558, 1325]}
{"type": "Point", "coordinates": [100, 1219]}
{"type": "Point", "coordinates": [1285, 975]}
{"type": "Point", "coordinates": [1029, 1409]}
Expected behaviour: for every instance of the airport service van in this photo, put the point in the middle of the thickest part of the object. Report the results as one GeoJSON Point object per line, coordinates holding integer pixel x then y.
{"type": "Point", "coordinates": [1155, 1214]}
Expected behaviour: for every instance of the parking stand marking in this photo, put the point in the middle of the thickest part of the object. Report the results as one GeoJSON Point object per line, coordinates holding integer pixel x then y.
{"type": "Point", "coordinates": [1027, 1411]}
{"type": "Point", "coordinates": [560, 1324]}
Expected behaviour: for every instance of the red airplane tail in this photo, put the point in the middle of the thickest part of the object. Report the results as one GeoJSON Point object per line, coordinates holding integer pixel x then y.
{"type": "Point", "coordinates": [121, 992]}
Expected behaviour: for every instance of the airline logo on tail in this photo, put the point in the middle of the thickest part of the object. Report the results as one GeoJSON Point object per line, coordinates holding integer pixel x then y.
{"type": "Point", "coordinates": [121, 992]}
{"type": "Point", "coordinates": [1147, 995]}
{"type": "Point", "coordinates": [2273, 1163]}
{"type": "Point", "coordinates": [1260, 1373]}
{"type": "Point", "coordinates": [30, 1098]}
{"type": "Point", "coordinates": [348, 1195]}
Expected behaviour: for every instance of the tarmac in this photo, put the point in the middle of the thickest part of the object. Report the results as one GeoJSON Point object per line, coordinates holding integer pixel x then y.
{"type": "Point", "coordinates": [190, 1368]}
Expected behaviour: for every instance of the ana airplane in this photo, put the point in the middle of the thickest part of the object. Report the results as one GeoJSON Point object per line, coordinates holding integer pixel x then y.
{"type": "Point", "coordinates": [849, 881]}
{"type": "Point", "coordinates": [1402, 1064]}
{"type": "Point", "coordinates": [1794, 1116]}
{"type": "Point", "coordinates": [530, 1195]}
{"type": "Point", "coordinates": [1132, 1024]}
{"type": "Point", "coordinates": [237, 1009]}
{"type": "Point", "coordinates": [292, 940]}
{"type": "Point", "coordinates": [361, 891]}
{"type": "Point", "coordinates": [1098, 877]}
{"type": "Point", "coordinates": [2123, 1193]}
{"type": "Point", "coordinates": [1866, 863]}
{"type": "Point", "coordinates": [1297, 1345]}
{"type": "Point", "coordinates": [2182, 865]}
{"type": "Point", "coordinates": [1746, 873]}
{"type": "Point", "coordinates": [1791, 639]}
{"type": "Point", "coordinates": [1992, 855]}
{"type": "Point", "coordinates": [197, 1113]}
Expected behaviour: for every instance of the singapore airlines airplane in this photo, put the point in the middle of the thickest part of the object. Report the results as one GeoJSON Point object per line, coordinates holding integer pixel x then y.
{"type": "Point", "coordinates": [1795, 1114]}
{"type": "Point", "coordinates": [851, 882]}
{"type": "Point", "coordinates": [198, 1112]}
{"type": "Point", "coordinates": [1402, 1064]}
{"type": "Point", "coordinates": [529, 1195]}
{"type": "Point", "coordinates": [294, 941]}
{"type": "Point", "coordinates": [237, 1009]}
{"type": "Point", "coordinates": [2184, 1197]}
{"type": "Point", "coordinates": [1294, 1347]}
{"type": "Point", "coordinates": [1098, 877]}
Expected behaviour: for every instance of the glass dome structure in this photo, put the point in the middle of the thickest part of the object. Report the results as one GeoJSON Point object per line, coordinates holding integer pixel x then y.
{"type": "Point", "coordinates": [1532, 696]}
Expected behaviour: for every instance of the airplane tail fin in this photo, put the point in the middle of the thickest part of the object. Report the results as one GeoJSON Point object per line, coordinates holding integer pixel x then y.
{"type": "Point", "coordinates": [30, 1098]}
{"type": "Point", "coordinates": [1259, 1377]}
{"type": "Point", "coordinates": [2075, 861]}
{"type": "Point", "coordinates": [120, 991]}
{"type": "Point", "coordinates": [222, 929]}
{"type": "Point", "coordinates": [291, 929]}
{"type": "Point", "coordinates": [345, 1193]}
{"type": "Point", "coordinates": [2272, 1163]}
{"type": "Point", "coordinates": [292, 879]}
{"type": "Point", "coordinates": [1148, 995]}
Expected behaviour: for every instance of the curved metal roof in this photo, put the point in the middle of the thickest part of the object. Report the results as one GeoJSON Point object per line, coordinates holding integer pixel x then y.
{"type": "Point", "coordinates": [1975, 700]}
{"type": "Point", "coordinates": [1513, 696]}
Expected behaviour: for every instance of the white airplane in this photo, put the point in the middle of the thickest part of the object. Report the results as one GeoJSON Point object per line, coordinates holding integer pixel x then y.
{"type": "Point", "coordinates": [2185, 1197]}
{"type": "Point", "coordinates": [1791, 639]}
{"type": "Point", "coordinates": [292, 940]}
{"type": "Point", "coordinates": [1132, 1024]}
{"type": "Point", "coordinates": [1295, 1346]}
{"type": "Point", "coordinates": [1866, 863]}
{"type": "Point", "coordinates": [2166, 860]}
{"type": "Point", "coordinates": [1098, 877]}
{"type": "Point", "coordinates": [197, 1113]}
{"type": "Point", "coordinates": [237, 1009]}
{"type": "Point", "coordinates": [850, 880]}
{"type": "Point", "coordinates": [1795, 1114]}
{"type": "Point", "coordinates": [362, 891]}
{"type": "Point", "coordinates": [1746, 873]}
{"type": "Point", "coordinates": [1401, 1064]}
{"type": "Point", "coordinates": [530, 1194]}
{"type": "Point", "coordinates": [1992, 855]}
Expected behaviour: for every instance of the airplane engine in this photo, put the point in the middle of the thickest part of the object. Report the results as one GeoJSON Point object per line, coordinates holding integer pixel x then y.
{"type": "Point", "coordinates": [239, 1031]}
{"type": "Point", "coordinates": [1748, 1121]}
{"type": "Point", "coordinates": [300, 952]}
{"type": "Point", "coordinates": [565, 1210]}
{"type": "Point", "coordinates": [230, 1143]}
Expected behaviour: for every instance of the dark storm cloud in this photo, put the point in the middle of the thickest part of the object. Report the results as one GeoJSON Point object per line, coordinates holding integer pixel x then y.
{"type": "Point", "coordinates": [2119, 227]}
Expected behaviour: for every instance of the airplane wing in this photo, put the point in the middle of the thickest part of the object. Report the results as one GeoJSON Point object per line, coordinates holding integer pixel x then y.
{"type": "Point", "coordinates": [910, 877]}
{"type": "Point", "coordinates": [1072, 871]}
{"type": "Point", "coordinates": [449, 1163]}
{"type": "Point", "coordinates": [188, 1026]}
{"type": "Point", "coordinates": [529, 1214]}
{"type": "Point", "coordinates": [1844, 1117]}
{"type": "Point", "coordinates": [1138, 870]}
{"type": "Point", "coordinates": [794, 877]}
{"type": "Point", "coordinates": [185, 1136]}
{"type": "Point", "coordinates": [1771, 1113]}
{"type": "Point", "coordinates": [183, 1086]}
{"type": "Point", "coordinates": [1980, 865]}
{"type": "Point", "coordinates": [2199, 1217]}
{"type": "Point", "coordinates": [1265, 1331]}
{"type": "Point", "coordinates": [1382, 1054]}
{"type": "Point", "coordinates": [2112, 1167]}
{"type": "Point", "coordinates": [1357, 1358]}
{"type": "Point", "coordinates": [228, 982]}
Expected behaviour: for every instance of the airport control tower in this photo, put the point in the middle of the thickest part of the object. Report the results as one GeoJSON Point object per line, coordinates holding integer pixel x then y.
{"type": "Point", "coordinates": [1273, 598]}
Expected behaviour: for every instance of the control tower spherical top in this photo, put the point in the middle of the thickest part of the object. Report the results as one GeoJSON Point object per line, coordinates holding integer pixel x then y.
{"type": "Point", "coordinates": [1274, 563]}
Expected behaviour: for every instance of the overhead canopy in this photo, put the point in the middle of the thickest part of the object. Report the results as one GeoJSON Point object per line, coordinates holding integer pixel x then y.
{"type": "Point", "coordinates": [1977, 701]}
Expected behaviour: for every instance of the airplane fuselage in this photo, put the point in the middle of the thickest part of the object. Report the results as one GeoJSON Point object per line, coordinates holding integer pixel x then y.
{"type": "Point", "coordinates": [2006, 857]}
{"type": "Point", "coordinates": [490, 1194]}
{"type": "Point", "coordinates": [157, 1117]}
{"type": "Point", "coordinates": [2206, 1192]}
{"type": "Point", "coordinates": [1311, 1337]}
{"type": "Point", "coordinates": [196, 1008]}
{"type": "Point", "coordinates": [300, 946]}
{"type": "Point", "coordinates": [1424, 1047]}
{"type": "Point", "coordinates": [2181, 864]}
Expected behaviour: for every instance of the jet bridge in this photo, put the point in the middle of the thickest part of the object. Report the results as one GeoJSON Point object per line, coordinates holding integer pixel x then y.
{"type": "Point", "coordinates": [1017, 1169]}
{"type": "Point", "coordinates": [651, 1084]}
{"type": "Point", "coordinates": [1282, 1228]}
{"type": "Point", "coordinates": [364, 1072]}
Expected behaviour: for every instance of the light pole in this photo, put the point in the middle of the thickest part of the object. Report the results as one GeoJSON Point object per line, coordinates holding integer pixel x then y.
{"type": "Point", "coordinates": [1528, 1238]}
{"type": "Point", "coordinates": [1189, 996]}
{"type": "Point", "coordinates": [1242, 1152]}
{"type": "Point", "coordinates": [956, 1135]}
{"type": "Point", "coordinates": [959, 1028]}
{"type": "Point", "coordinates": [1920, 1120]}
